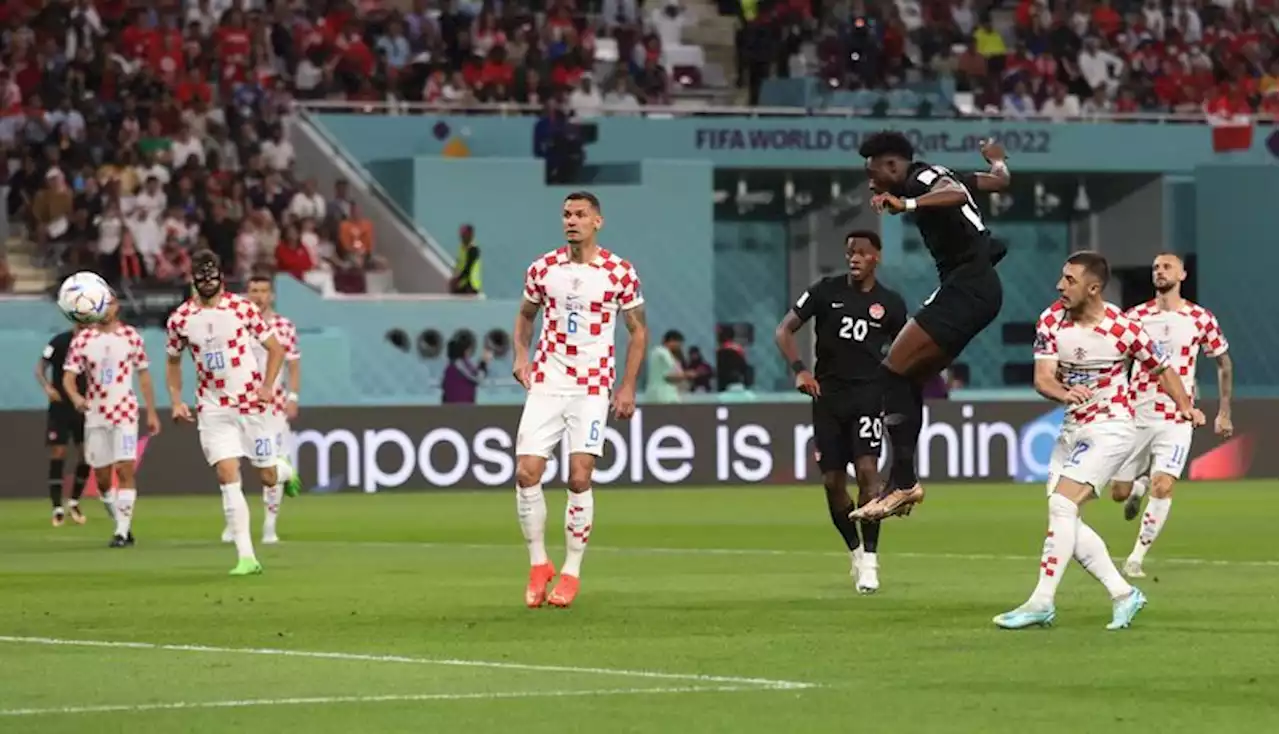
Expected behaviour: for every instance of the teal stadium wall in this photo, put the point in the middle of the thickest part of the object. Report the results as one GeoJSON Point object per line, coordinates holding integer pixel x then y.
{"type": "Point", "coordinates": [662, 224]}
{"type": "Point", "coordinates": [1236, 230]}
{"type": "Point", "coordinates": [346, 358]}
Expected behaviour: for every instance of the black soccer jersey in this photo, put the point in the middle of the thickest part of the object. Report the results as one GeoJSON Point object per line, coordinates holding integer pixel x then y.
{"type": "Point", "coordinates": [55, 355]}
{"type": "Point", "coordinates": [854, 329]}
{"type": "Point", "coordinates": [955, 236]}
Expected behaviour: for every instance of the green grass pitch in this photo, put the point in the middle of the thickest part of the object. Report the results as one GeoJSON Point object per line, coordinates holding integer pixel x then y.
{"type": "Point", "coordinates": [702, 610]}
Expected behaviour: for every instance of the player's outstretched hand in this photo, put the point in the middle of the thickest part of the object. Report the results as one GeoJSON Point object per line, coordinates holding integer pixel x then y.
{"type": "Point", "coordinates": [153, 423]}
{"type": "Point", "coordinates": [1077, 394]}
{"type": "Point", "coordinates": [521, 370]}
{"type": "Point", "coordinates": [807, 385]}
{"type": "Point", "coordinates": [887, 204]}
{"type": "Point", "coordinates": [181, 413]}
{"type": "Point", "coordinates": [266, 394]}
{"type": "Point", "coordinates": [624, 402]}
{"type": "Point", "coordinates": [992, 150]}
{"type": "Point", "coordinates": [1195, 416]}
{"type": "Point", "coordinates": [1222, 425]}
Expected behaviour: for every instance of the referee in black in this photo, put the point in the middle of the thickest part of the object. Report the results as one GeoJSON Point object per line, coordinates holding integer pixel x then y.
{"type": "Point", "coordinates": [855, 320]}
{"type": "Point", "coordinates": [64, 426]}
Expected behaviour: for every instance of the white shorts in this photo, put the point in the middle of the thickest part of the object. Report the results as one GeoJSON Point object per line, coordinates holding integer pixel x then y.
{"type": "Point", "coordinates": [1162, 446]}
{"type": "Point", "coordinates": [232, 436]}
{"type": "Point", "coordinates": [278, 428]}
{"type": "Point", "coordinates": [1091, 454]}
{"type": "Point", "coordinates": [108, 445]}
{"type": "Point", "coordinates": [548, 418]}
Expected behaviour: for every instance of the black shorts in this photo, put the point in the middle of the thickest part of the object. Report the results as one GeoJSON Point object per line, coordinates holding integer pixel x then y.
{"type": "Point", "coordinates": [64, 425]}
{"type": "Point", "coordinates": [964, 305]}
{"type": "Point", "coordinates": [847, 425]}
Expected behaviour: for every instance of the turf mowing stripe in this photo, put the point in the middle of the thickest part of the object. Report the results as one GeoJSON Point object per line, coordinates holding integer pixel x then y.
{"type": "Point", "coordinates": [731, 552]}
{"type": "Point", "coordinates": [391, 698]}
{"type": "Point", "coordinates": [724, 679]}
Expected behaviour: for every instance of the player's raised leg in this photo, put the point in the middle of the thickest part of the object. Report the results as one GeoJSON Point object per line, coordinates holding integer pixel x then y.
{"type": "Point", "coordinates": [913, 354]}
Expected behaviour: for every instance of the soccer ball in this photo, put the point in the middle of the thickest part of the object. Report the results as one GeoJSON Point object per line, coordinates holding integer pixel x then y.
{"type": "Point", "coordinates": [84, 298]}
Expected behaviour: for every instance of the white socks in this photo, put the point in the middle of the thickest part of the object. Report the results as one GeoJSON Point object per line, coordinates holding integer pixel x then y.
{"type": "Point", "coordinates": [1153, 519]}
{"type": "Point", "coordinates": [577, 530]}
{"type": "Point", "coordinates": [108, 500]}
{"type": "Point", "coordinates": [271, 497]}
{"type": "Point", "coordinates": [1091, 552]}
{"type": "Point", "coordinates": [124, 501]}
{"type": "Point", "coordinates": [531, 508]}
{"type": "Point", "coordinates": [1059, 545]}
{"type": "Point", "coordinates": [284, 472]}
{"type": "Point", "coordinates": [236, 510]}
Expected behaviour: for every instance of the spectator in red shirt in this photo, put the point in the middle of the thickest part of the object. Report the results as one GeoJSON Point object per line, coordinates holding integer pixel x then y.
{"type": "Point", "coordinates": [291, 256]}
{"type": "Point", "coordinates": [138, 39]}
{"type": "Point", "coordinates": [1106, 19]}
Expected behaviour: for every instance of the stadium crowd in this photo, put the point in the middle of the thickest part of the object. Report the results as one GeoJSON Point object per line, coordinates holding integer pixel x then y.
{"type": "Point", "coordinates": [135, 134]}
{"type": "Point", "coordinates": [1056, 58]}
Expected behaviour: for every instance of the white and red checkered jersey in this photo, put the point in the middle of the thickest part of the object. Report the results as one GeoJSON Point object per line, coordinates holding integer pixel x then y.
{"type": "Point", "coordinates": [220, 338]}
{"type": "Point", "coordinates": [581, 305]}
{"type": "Point", "coordinates": [1097, 357]}
{"type": "Point", "coordinates": [287, 335]}
{"type": "Point", "coordinates": [1182, 333]}
{"type": "Point", "coordinates": [107, 358]}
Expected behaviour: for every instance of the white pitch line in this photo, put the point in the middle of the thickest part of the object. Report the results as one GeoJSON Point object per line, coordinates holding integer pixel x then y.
{"type": "Point", "coordinates": [753, 552]}
{"type": "Point", "coordinates": [361, 657]}
{"type": "Point", "coordinates": [389, 698]}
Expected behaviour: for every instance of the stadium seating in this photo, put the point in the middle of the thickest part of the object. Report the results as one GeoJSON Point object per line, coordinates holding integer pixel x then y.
{"type": "Point", "coordinates": [956, 56]}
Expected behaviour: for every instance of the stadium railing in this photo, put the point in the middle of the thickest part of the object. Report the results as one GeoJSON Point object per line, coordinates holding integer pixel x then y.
{"type": "Point", "coordinates": [700, 110]}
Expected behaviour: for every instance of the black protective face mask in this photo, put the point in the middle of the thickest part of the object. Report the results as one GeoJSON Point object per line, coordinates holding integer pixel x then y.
{"type": "Point", "coordinates": [207, 280]}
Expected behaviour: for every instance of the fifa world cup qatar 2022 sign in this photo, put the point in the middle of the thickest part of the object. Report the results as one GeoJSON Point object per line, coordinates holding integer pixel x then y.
{"type": "Point", "coordinates": [381, 449]}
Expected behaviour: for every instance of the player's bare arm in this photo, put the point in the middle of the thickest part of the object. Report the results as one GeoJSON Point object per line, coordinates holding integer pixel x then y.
{"type": "Point", "coordinates": [173, 382]}
{"type": "Point", "coordinates": [624, 398]}
{"type": "Point", "coordinates": [521, 339]}
{"type": "Point", "coordinates": [1222, 423]}
{"type": "Point", "coordinates": [1050, 386]}
{"type": "Point", "coordinates": [785, 337]}
{"type": "Point", "coordinates": [69, 384]}
{"type": "Point", "coordinates": [50, 391]}
{"type": "Point", "coordinates": [275, 361]}
{"type": "Point", "coordinates": [147, 388]}
{"type": "Point", "coordinates": [294, 367]}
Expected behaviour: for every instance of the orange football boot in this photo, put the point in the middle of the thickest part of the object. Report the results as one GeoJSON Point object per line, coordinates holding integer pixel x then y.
{"type": "Point", "coordinates": [565, 592]}
{"type": "Point", "coordinates": [535, 595]}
